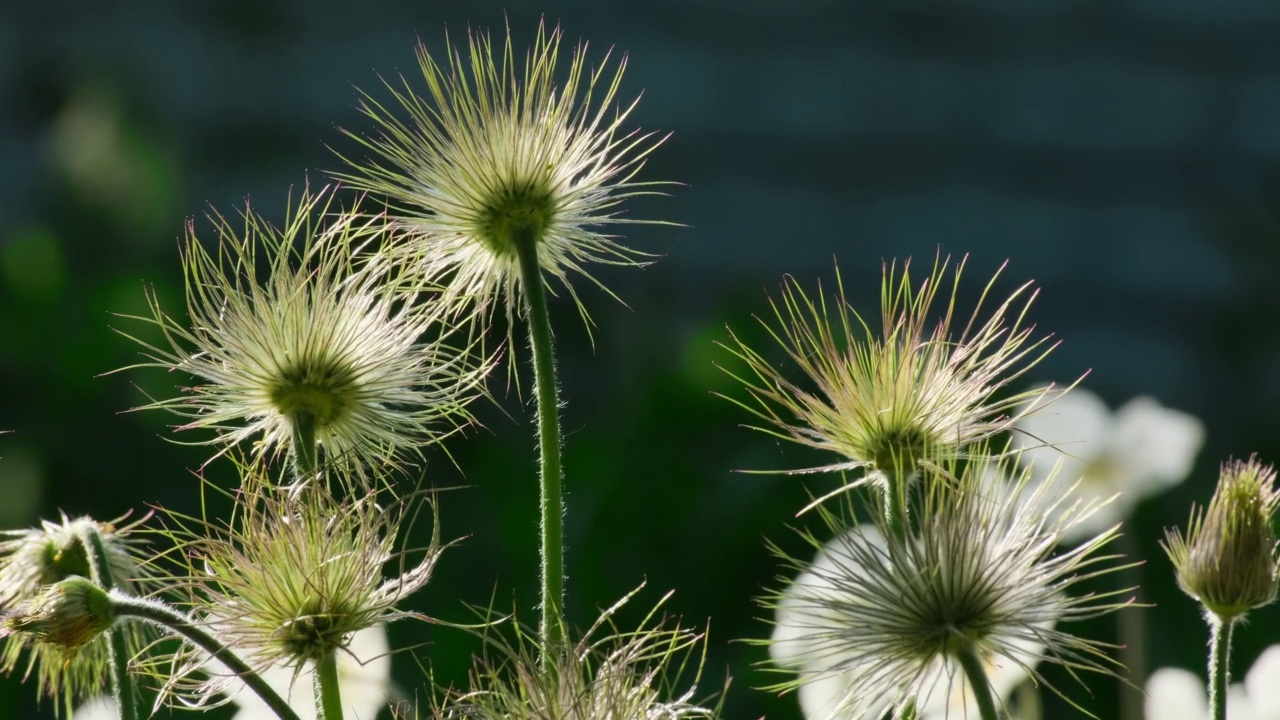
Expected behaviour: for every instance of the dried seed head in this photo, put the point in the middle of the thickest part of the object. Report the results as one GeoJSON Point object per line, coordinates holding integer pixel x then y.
{"type": "Point", "coordinates": [498, 154]}
{"type": "Point", "coordinates": [295, 577]}
{"type": "Point", "coordinates": [319, 350]}
{"type": "Point", "coordinates": [607, 675]}
{"type": "Point", "coordinates": [922, 390]}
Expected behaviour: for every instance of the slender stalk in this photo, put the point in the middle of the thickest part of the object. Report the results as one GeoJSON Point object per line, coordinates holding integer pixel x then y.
{"type": "Point", "coordinates": [123, 688]}
{"type": "Point", "coordinates": [1132, 632]}
{"type": "Point", "coordinates": [328, 696]}
{"type": "Point", "coordinates": [1219, 657]}
{"type": "Point", "coordinates": [551, 502]}
{"type": "Point", "coordinates": [978, 682]}
{"type": "Point", "coordinates": [304, 444]}
{"type": "Point", "coordinates": [895, 515]}
{"type": "Point", "coordinates": [164, 616]}
{"type": "Point", "coordinates": [895, 504]}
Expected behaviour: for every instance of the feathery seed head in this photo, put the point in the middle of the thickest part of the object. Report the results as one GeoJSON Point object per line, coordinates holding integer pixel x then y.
{"type": "Point", "coordinates": [608, 675]}
{"type": "Point", "coordinates": [875, 622]}
{"type": "Point", "coordinates": [319, 350]}
{"type": "Point", "coordinates": [497, 156]}
{"type": "Point", "coordinates": [923, 389]}
{"type": "Point", "coordinates": [1229, 561]}
{"type": "Point", "coordinates": [32, 563]}
{"type": "Point", "coordinates": [296, 575]}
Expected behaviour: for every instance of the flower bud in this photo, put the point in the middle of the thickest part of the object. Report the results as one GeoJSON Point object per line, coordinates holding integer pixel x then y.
{"type": "Point", "coordinates": [68, 614]}
{"type": "Point", "coordinates": [1228, 561]}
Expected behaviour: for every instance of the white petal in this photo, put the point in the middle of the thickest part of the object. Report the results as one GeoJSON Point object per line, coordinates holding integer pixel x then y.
{"type": "Point", "coordinates": [1240, 707]}
{"type": "Point", "coordinates": [1078, 423]}
{"type": "Point", "coordinates": [1263, 683]}
{"type": "Point", "coordinates": [99, 708]}
{"type": "Point", "coordinates": [1176, 694]}
{"type": "Point", "coordinates": [802, 610]}
{"type": "Point", "coordinates": [1154, 446]}
{"type": "Point", "coordinates": [364, 680]}
{"type": "Point", "coordinates": [948, 697]}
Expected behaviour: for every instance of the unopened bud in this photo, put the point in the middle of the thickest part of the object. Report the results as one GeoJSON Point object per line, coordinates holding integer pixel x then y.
{"type": "Point", "coordinates": [1227, 560]}
{"type": "Point", "coordinates": [68, 614]}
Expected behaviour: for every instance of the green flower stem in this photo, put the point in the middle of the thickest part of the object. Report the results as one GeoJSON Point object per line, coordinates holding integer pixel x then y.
{"type": "Point", "coordinates": [1132, 633]}
{"type": "Point", "coordinates": [1219, 656]}
{"type": "Point", "coordinates": [551, 503]}
{"type": "Point", "coordinates": [328, 696]}
{"type": "Point", "coordinates": [123, 688]}
{"type": "Point", "coordinates": [978, 682]}
{"type": "Point", "coordinates": [166, 617]}
{"type": "Point", "coordinates": [895, 504]}
{"type": "Point", "coordinates": [304, 444]}
{"type": "Point", "coordinates": [895, 515]}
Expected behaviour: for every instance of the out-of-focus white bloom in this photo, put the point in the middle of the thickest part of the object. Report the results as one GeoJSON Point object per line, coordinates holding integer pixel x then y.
{"type": "Point", "coordinates": [1139, 450]}
{"type": "Point", "coordinates": [99, 708]}
{"type": "Point", "coordinates": [1175, 694]}
{"type": "Point", "coordinates": [364, 680]}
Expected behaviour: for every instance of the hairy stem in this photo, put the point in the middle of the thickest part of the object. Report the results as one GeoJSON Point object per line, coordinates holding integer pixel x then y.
{"type": "Point", "coordinates": [304, 444]}
{"type": "Point", "coordinates": [895, 504]}
{"type": "Point", "coordinates": [551, 502]}
{"type": "Point", "coordinates": [328, 696]}
{"type": "Point", "coordinates": [1132, 633]}
{"type": "Point", "coordinates": [1219, 658]}
{"type": "Point", "coordinates": [162, 615]}
{"type": "Point", "coordinates": [978, 683]}
{"type": "Point", "coordinates": [123, 688]}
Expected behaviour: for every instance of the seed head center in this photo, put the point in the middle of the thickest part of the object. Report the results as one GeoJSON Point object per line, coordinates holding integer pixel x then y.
{"type": "Point", "coordinates": [514, 213]}
{"type": "Point", "coordinates": [322, 393]}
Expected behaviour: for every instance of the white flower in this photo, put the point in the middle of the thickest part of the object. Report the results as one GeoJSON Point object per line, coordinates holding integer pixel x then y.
{"type": "Point", "coordinates": [876, 624]}
{"type": "Point", "coordinates": [99, 708]}
{"type": "Point", "coordinates": [364, 680]}
{"type": "Point", "coordinates": [801, 617]}
{"type": "Point", "coordinates": [1139, 451]}
{"type": "Point", "coordinates": [1175, 694]}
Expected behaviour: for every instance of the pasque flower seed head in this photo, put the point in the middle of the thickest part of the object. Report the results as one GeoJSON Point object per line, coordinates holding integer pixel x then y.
{"type": "Point", "coordinates": [922, 389]}
{"type": "Point", "coordinates": [296, 575]}
{"type": "Point", "coordinates": [316, 351]}
{"type": "Point", "coordinates": [500, 153]}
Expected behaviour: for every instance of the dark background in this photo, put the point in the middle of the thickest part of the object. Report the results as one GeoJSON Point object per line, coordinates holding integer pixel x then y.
{"type": "Point", "coordinates": [1125, 155]}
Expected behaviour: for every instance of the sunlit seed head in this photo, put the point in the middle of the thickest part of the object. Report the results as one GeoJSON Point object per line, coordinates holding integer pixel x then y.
{"type": "Point", "coordinates": [875, 622]}
{"type": "Point", "coordinates": [496, 153]}
{"type": "Point", "coordinates": [32, 561]}
{"type": "Point", "coordinates": [316, 349]}
{"type": "Point", "coordinates": [1228, 560]}
{"type": "Point", "coordinates": [924, 387]}
{"type": "Point", "coordinates": [295, 576]}
{"type": "Point", "coordinates": [610, 674]}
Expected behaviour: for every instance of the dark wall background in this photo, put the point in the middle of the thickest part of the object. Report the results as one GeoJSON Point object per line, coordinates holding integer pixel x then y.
{"type": "Point", "coordinates": [1126, 155]}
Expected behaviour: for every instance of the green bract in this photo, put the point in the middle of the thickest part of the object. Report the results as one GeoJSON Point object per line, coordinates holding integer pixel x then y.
{"type": "Point", "coordinates": [1228, 559]}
